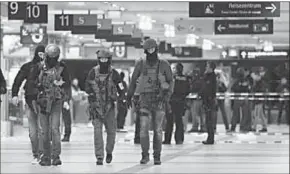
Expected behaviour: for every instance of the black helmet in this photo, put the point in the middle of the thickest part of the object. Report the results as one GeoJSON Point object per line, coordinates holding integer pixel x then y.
{"type": "Point", "coordinates": [149, 43]}
{"type": "Point", "coordinates": [52, 51]}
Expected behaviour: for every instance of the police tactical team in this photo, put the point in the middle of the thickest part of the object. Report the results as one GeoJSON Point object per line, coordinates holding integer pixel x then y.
{"type": "Point", "coordinates": [153, 92]}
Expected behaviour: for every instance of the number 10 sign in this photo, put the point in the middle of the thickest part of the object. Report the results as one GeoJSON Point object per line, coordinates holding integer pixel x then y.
{"type": "Point", "coordinates": [30, 13]}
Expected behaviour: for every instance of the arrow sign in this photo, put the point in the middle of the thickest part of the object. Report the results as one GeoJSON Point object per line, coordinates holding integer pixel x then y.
{"type": "Point", "coordinates": [234, 9]}
{"type": "Point", "coordinates": [220, 28]}
{"type": "Point", "coordinates": [256, 26]}
{"type": "Point", "coordinates": [193, 26]}
{"type": "Point", "coordinates": [272, 8]}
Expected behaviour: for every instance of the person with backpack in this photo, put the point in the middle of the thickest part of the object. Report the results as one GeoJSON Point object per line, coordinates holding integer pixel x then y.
{"type": "Point", "coordinates": [28, 72]}
{"type": "Point", "coordinates": [155, 87]}
{"type": "Point", "coordinates": [103, 85]}
{"type": "Point", "coordinates": [54, 88]}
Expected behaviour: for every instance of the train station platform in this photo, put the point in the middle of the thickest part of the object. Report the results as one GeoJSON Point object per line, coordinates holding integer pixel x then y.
{"type": "Point", "coordinates": [232, 153]}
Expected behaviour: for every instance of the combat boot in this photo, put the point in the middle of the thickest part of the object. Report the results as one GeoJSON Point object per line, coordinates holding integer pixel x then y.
{"type": "Point", "coordinates": [65, 138]}
{"type": "Point", "coordinates": [56, 161]}
{"type": "Point", "coordinates": [99, 161]}
{"type": "Point", "coordinates": [109, 158]}
{"type": "Point", "coordinates": [157, 160]}
{"type": "Point", "coordinates": [145, 158]}
{"type": "Point", "coordinates": [45, 161]}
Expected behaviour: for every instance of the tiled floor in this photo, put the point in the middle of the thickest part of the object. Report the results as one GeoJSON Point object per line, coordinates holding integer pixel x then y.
{"type": "Point", "coordinates": [236, 153]}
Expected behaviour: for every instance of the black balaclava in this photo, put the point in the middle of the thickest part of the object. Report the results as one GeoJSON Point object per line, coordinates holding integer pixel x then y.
{"type": "Point", "coordinates": [52, 53]}
{"type": "Point", "coordinates": [51, 61]}
{"type": "Point", "coordinates": [153, 57]}
{"type": "Point", "coordinates": [104, 66]}
{"type": "Point", "coordinates": [39, 48]}
{"type": "Point", "coordinates": [104, 61]}
{"type": "Point", "coordinates": [179, 69]}
{"type": "Point", "coordinates": [122, 75]}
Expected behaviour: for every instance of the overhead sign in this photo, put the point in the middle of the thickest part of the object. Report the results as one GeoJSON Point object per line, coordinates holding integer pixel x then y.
{"type": "Point", "coordinates": [33, 35]}
{"type": "Point", "coordinates": [243, 26]}
{"type": "Point", "coordinates": [136, 38]}
{"type": "Point", "coordinates": [85, 20]}
{"type": "Point", "coordinates": [193, 26]}
{"type": "Point", "coordinates": [84, 24]}
{"type": "Point", "coordinates": [125, 29]}
{"type": "Point", "coordinates": [251, 54]}
{"type": "Point", "coordinates": [104, 28]}
{"type": "Point", "coordinates": [234, 9]}
{"type": "Point", "coordinates": [63, 22]}
{"type": "Point", "coordinates": [121, 33]}
{"type": "Point", "coordinates": [16, 10]}
{"type": "Point", "coordinates": [119, 51]}
{"type": "Point", "coordinates": [186, 52]}
{"type": "Point", "coordinates": [36, 14]}
{"type": "Point", "coordinates": [164, 47]}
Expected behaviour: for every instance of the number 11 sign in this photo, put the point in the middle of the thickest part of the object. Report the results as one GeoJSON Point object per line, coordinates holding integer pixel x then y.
{"type": "Point", "coordinates": [63, 22]}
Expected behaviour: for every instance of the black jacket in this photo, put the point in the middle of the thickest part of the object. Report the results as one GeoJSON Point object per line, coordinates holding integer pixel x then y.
{"type": "Point", "coordinates": [209, 87]}
{"type": "Point", "coordinates": [181, 88]}
{"type": "Point", "coordinates": [3, 88]}
{"type": "Point", "coordinates": [28, 72]}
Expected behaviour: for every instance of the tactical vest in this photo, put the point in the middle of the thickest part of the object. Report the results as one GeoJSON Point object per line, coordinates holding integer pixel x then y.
{"type": "Point", "coordinates": [105, 93]}
{"type": "Point", "coordinates": [104, 86]}
{"type": "Point", "coordinates": [148, 79]}
{"type": "Point", "coordinates": [47, 78]}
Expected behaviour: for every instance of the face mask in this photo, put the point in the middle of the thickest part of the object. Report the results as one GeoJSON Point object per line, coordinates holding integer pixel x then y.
{"type": "Point", "coordinates": [104, 65]}
{"type": "Point", "coordinates": [151, 57]}
{"type": "Point", "coordinates": [51, 62]}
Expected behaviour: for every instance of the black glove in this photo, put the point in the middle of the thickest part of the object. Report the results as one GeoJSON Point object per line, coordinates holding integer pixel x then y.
{"type": "Point", "coordinates": [129, 102]}
{"type": "Point", "coordinates": [3, 90]}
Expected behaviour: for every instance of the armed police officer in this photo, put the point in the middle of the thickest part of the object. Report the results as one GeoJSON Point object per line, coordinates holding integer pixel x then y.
{"type": "Point", "coordinates": [54, 86]}
{"type": "Point", "coordinates": [208, 97]}
{"type": "Point", "coordinates": [102, 85]}
{"type": "Point", "coordinates": [28, 72]}
{"type": "Point", "coordinates": [177, 102]}
{"type": "Point", "coordinates": [155, 82]}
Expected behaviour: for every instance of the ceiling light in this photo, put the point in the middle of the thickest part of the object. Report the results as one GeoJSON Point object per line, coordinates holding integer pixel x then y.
{"type": "Point", "coordinates": [114, 5]}
{"type": "Point", "coordinates": [220, 47]}
{"type": "Point", "coordinates": [77, 3]}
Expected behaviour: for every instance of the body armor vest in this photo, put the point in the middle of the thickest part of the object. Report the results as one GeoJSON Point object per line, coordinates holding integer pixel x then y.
{"type": "Point", "coordinates": [49, 92]}
{"type": "Point", "coordinates": [105, 92]}
{"type": "Point", "coordinates": [47, 78]}
{"type": "Point", "coordinates": [148, 79]}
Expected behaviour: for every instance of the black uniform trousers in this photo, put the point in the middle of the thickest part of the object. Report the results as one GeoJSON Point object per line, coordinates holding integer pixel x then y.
{"type": "Point", "coordinates": [67, 121]}
{"type": "Point", "coordinates": [178, 109]}
{"type": "Point", "coordinates": [122, 113]}
{"type": "Point", "coordinates": [209, 106]}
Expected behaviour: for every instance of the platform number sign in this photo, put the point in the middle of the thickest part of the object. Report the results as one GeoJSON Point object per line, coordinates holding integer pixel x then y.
{"type": "Point", "coordinates": [16, 10]}
{"type": "Point", "coordinates": [36, 14]}
{"type": "Point", "coordinates": [63, 22]}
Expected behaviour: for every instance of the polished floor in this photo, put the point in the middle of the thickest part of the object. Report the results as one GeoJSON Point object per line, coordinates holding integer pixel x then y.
{"type": "Point", "coordinates": [232, 153]}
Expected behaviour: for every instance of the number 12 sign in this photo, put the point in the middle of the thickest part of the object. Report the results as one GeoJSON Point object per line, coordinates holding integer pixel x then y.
{"type": "Point", "coordinates": [63, 22]}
